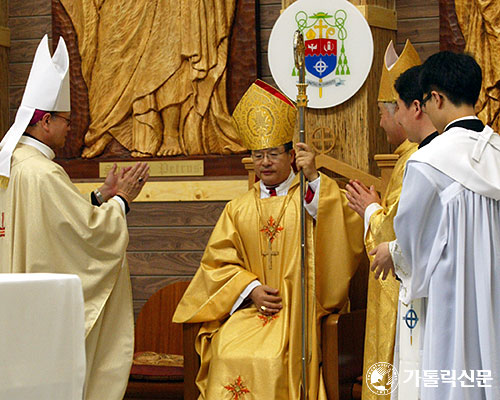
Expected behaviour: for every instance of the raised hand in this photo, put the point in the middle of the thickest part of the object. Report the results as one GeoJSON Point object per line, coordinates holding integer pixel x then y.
{"type": "Point", "coordinates": [360, 197]}
{"type": "Point", "coordinates": [131, 181]}
{"type": "Point", "coordinates": [305, 159]}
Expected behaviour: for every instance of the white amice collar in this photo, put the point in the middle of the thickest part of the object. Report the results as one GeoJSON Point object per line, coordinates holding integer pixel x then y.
{"type": "Point", "coordinates": [282, 188]}
{"type": "Point", "coordinates": [42, 147]}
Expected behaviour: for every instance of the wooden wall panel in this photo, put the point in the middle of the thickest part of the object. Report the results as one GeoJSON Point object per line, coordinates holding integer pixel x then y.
{"type": "Point", "coordinates": [4, 68]}
{"type": "Point", "coordinates": [30, 27]}
{"type": "Point", "coordinates": [167, 241]}
{"type": "Point", "coordinates": [418, 20]}
{"type": "Point", "coordinates": [168, 238]}
{"type": "Point", "coordinates": [173, 262]}
{"type": "Point", "coordinates": [26, 8]}
{"type": "Point", "coordinates": [29, 20]}
{"type": "Point", "coordinates": [179, 214]}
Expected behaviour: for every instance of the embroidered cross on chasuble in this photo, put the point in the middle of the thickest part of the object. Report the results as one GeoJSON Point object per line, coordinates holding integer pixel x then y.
{"type": "Point", "coordinates": [272, 228]}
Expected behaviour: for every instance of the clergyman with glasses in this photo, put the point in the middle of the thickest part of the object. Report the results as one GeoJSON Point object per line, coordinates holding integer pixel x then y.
{"type": "Point", "coordinates": [47, 226]}
{"type": "Point", "coordinates": [247, 290]}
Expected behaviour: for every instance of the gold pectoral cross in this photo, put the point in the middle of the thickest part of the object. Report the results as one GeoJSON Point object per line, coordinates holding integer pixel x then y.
{"type": "Point", "coordinates": [270, 253]}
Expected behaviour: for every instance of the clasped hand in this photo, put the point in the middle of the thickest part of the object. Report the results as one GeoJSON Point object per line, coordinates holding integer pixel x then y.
{"type": "Point", "coordinates": [266, 300]}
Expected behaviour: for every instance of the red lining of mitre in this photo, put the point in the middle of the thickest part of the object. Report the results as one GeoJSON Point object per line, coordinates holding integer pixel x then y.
{"type": "Point", "coordinates": [275, 92]}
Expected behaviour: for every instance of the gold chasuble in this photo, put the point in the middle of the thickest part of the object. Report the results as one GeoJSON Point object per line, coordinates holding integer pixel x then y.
{"type": "Point", "coordinates": [48, 226]}
{"type": "Point", "coordinates": [249, 355]}
{"type": "Point", "coordinates": [382, 304]}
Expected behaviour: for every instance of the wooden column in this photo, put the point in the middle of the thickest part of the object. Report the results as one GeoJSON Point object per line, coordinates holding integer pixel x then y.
{"type": "Point", "coordinates": [354, 125]}
{"type": "Point", "coordinates": [4, 67]}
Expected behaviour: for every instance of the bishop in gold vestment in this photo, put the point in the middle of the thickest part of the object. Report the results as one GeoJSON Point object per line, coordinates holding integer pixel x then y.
{"type": "Point", "coordinates": [246, 351]}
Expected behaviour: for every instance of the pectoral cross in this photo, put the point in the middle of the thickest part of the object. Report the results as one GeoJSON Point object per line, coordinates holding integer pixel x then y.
{"type": "Point", "coordinates": [271, 230]}
{"type": "Point", "coordinates": [270, 253]}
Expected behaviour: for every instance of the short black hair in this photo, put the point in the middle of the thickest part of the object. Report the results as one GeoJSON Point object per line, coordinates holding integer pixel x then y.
{"type": "Point", "coordinates": [288, 146]}
{"type": "Point", "coordinates": [408, 87]}
{"type": "Point", "coordinates": [457, 75]}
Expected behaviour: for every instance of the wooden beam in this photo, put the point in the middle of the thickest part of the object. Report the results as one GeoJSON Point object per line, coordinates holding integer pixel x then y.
{"type": "Point", "coordinates": [203, 190]}
{"type": "Point", "coordinates": [379, 17]}
{"type": "Point", "coordinates": [4, 36]}
{"type": "Point", "coordinates": [347, 171]}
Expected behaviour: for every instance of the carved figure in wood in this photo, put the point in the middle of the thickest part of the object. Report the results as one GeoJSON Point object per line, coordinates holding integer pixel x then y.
{"type": "Point", "coordinates": [156, 75]}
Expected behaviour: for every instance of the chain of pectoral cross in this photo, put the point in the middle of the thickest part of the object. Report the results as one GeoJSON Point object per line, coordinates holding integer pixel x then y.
{"type": "Point", "coordinates": [271, 228]}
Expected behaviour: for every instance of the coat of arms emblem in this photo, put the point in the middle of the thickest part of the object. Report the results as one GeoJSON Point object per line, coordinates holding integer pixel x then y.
{"type": "Point", "coordinates": [338, 50]}
{"type": "Point", "coordinates": [322, 34]}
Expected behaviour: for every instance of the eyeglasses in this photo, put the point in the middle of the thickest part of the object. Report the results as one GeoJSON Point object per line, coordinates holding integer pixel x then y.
{"type": "Point", "coordinates": [425, 99]}
{"type": "Point", "coordinates": [273, 155]}
{"type": "Point", "coordinates": [68, 121]}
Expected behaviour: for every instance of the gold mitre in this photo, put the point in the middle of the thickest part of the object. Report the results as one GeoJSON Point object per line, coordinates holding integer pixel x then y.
{"type": "Point", "coordinates": [264, 117]}
{"type": "Point", "coordinates": [393, 67]}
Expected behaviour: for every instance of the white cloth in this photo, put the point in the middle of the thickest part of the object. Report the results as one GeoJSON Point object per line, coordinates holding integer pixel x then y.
{"type": "Point", "coordinates": [410, 327]}
{"type": "Point", "coordinates": [42, 340]}
{"type": "Point", "coordinates": [449, 235]}
{"type": "Point", "coordinates": [370, 209]}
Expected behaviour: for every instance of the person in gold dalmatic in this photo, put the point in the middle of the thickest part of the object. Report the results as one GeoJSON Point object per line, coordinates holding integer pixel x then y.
{"type": "Point", "coordinates": [247, 291]}
{"type": "Point", "coordinates": [382, 305]}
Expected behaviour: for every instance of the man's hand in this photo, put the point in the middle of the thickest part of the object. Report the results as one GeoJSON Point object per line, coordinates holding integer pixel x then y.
{"type": "Point", "coordinates": [360, 197]}
{"type": "Point", "coordinates": [131, 181]}
{"type": "Point", "coordinates": [305, 160]}
{"type": "Point", "coordinates": [266, 300]}
{"type": "Point", "coordinates": [382, 263]}
{"type": "Point", "coordinates": [110, 186]}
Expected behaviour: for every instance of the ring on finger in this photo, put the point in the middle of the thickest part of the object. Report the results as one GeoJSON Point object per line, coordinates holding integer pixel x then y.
{"type": "Point", "coordinates": [140, 179]}
{"type": "Point", "coordinates": [263, 308]}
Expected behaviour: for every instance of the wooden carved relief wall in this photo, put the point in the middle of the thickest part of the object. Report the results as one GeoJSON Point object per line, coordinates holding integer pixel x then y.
{"type": "Point", "coordinates": [242, 71]}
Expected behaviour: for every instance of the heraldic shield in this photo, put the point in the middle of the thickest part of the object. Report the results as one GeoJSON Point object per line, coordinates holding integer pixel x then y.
{"type": "Point", "coordinates": [321, 56]}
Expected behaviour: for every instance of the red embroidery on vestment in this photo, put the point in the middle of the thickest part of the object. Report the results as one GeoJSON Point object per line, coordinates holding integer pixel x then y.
{"type": "Point", "coordinates": [2, 227]}
{"type": "Point", "coordinates": [237, 389]}
{"type": "Point", "coordinates": [271, 229]}
{"type": "Point", "coordinates": [267, 318]}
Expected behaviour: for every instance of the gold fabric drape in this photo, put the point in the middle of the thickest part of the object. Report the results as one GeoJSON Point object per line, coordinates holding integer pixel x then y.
{"type": "Point", "coordinates": [480, 24]}
{"type": "Point", "coordinates": [248, 351]}
{"type": "Point", "coordinates": [382, 304]}
{"type": "Point", "coordinates": [156, 74]}
{"type": "Point", "coordinates": [51, 227]}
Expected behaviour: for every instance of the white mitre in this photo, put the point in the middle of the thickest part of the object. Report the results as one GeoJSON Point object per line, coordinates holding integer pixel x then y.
{"type": "Point", "coordinates": [47, 89]}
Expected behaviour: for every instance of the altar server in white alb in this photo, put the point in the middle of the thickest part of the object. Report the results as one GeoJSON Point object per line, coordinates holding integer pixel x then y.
{"type": "Point", "coordinates": [448, 229]}
{"type": "Point", "coordinates": [48, 226]}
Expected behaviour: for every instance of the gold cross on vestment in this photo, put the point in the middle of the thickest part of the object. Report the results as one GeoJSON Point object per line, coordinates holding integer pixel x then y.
{"type": "Point", "coordinates": [270, 255]}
